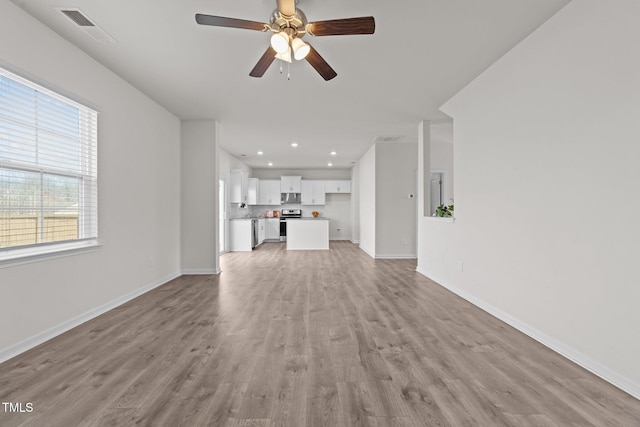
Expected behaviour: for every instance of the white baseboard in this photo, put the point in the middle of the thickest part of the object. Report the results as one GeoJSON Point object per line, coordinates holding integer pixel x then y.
{"type": "Point", "coordinates": [355, 242]}
{"type": "Point", "coordinates": [198, 271]}
{"type": "Point", "coordinates": [46, 335]}
{"type": "Point", "coordinates": [367, 252]}
{"type": "Point", "coordinates": [396, 256]}
{"type": "Point", "coordinates": [561, 348]}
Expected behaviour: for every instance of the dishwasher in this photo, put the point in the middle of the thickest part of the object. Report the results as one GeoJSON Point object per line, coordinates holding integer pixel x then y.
{"type": "Point", "coordinates": [254, 233]}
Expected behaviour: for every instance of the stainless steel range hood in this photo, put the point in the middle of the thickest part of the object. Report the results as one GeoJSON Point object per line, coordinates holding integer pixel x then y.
{"type": "Point", "coordinates": [290, 198]}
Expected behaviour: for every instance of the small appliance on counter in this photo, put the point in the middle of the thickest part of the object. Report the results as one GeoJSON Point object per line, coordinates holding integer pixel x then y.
{"type": "Point", "coordinates": [268, 214]}
{"type": "Point", "coordinates": [286, 214]}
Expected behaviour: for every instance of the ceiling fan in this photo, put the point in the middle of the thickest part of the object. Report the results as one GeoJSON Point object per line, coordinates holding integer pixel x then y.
{"type": "Point", "coordinates": [289, 24]}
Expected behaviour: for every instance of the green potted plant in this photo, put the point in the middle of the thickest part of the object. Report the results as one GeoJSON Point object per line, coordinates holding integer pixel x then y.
{"type": "Point", "coordinates": [444, 211]}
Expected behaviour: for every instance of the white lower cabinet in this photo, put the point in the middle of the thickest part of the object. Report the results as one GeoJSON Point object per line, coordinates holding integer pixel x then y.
{"type": "Point", "coordinates": [240, 235]}
{"type": "Point", "coordinates": [272, 229]}
{"type": "Point", "coordinates": [262, 230]}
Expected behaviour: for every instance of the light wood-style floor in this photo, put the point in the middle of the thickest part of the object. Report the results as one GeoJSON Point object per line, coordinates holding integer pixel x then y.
{"type": "Point", "coordinates": [283, 338]}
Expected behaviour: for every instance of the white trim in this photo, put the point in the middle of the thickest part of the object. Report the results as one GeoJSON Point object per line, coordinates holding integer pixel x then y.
{"type": "Point", "coordinates": [355, 242]}
{"type": "Point", "coordinates": [396, 256]}
{"type": "Point", "coordinates": [63, 327]}
{"type": "Point", "coordinates": [367, 252]}
{"type": "Point", "coordinates": [446, 220]}
{"type": "Point", "coordinates": [199, 271]}
{"type": "Point", "coordinates": [559, 347]}
{"type": "Point", "coordinates": [308, 249]}
{"type": "Point", "coordinates": [14, 257]}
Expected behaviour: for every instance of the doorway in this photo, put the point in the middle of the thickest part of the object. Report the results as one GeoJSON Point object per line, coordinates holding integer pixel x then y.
{"type": "Point", "coordinates": [222, 216]}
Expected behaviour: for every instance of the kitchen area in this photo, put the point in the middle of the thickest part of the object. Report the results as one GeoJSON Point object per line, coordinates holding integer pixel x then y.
{"type": "Point", "coordinates": [291, 210]}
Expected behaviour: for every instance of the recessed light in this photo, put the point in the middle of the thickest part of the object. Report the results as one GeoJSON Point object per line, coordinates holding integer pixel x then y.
{"type": "Point", "coordinates": [329, 164]}
{"type": "Point", "coordinates": [294, 144]}
{"type": "Point", "coordinates": [270, 164]}
{"type": "Point", "coordinates": [333, 153]}
{"type": "Point", "coordinates": [260, 153]}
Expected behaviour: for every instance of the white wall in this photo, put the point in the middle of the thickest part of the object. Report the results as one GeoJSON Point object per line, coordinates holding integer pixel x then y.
{"type": "Point", "coordinates": [547, 203]}
{"type": "Point", "coordinates": [355, 203]}
{"type": "Point", "coordinates": [338, 210]}
{"type": "Point", "coordinates": [139, 194]}
{"type": "Point", "coordinates": [395, 176]}
{"type": "Point", "coordinates": [226, 162]}
{"type": "Point", "coordinates": [387, 216]}
{"type": "Point", "coordinates": [199, 197]}
{"type": "Point", "coordinates": [367, 191]}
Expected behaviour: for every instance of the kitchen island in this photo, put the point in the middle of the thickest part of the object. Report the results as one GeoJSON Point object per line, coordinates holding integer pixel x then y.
{"type": "Point", "coordinates": [308, 234]}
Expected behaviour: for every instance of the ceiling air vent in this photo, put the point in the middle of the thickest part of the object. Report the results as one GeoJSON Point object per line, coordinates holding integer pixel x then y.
{"type": "Point", "coordinates": [77, 17]}
{"type": "Point", "coordinates": [388, 138]}
{"type": "Point", "coordinates": [85, 24]}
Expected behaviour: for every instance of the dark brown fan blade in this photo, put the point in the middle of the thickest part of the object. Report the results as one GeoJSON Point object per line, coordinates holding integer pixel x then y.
{"type": "Point", "coordinates": [341, 27]}
{"type": "Point", "coordinates": [220, 21]}
{"type": "Point", "coordinates": [287, 8]}
{"type": "Point", "coordinates": [320, 65]}
{"type": "Point", "coordinates": [263, 63]}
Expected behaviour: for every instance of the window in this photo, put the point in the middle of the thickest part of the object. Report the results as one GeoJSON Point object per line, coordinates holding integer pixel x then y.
{"type": "Point", "coordinates": [48, 169]}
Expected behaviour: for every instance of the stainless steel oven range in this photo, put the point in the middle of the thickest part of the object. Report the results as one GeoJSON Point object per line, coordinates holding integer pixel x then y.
{"type": "Point", "coordinates": [287, 214]}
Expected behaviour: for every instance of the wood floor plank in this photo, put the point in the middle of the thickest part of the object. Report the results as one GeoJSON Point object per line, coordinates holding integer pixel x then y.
{"type": "Point", "coordinates": [328, 338]}
{"type": "Point", "coordinates": [224, 405]}
{"type": "Point", "coordinates": [289, 407]}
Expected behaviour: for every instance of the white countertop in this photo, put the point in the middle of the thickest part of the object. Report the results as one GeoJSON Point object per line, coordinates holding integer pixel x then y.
{"type": "Point", "coordinates": [284, 219]}
{"type": "Point", "coordinates": [308, 218]}
{"type": "Point", "coordinates": [250, 218]}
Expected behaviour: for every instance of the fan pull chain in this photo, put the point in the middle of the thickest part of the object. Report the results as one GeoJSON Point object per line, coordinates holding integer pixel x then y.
{"type": "Point", "coordinates": [288, 71]}
{"type": "Point", "coordinates": [280, 67]}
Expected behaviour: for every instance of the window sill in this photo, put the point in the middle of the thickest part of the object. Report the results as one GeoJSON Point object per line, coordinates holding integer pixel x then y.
{"type": "Point", "coordinates": [14, 257]}
{"type": "Point", "coordinates": [449, 220]}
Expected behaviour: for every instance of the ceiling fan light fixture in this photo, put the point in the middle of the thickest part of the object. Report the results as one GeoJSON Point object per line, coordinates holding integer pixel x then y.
{"type": "Point", "coordinates": [285, 56]}
{"type": "Point", "coordinates": [280, 42]}
{"type": "Point", "coordinates": [300, 49]}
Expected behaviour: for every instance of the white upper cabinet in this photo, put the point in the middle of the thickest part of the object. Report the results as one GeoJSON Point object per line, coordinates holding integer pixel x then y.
{"type": "Point", "coordinates": [313, 192]}
{"type": "Point", "coordinates": [337, 186]}
{"type": "Point", "coordinates": [269, 192]}
{"type": "Point", "coordinates": [290, 184]}
{"type": "Point", "coordinates": [252, 192]}
{"type": "Point", "coordinates": [239, 186]}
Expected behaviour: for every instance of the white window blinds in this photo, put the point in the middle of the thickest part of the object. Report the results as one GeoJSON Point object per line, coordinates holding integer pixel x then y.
{"type": "Point", "coordinates": [48, 166]}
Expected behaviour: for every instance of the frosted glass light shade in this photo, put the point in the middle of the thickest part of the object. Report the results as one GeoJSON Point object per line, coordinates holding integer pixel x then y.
{"type": "Point", "coordinates": [300, 49]}
{"type": "Point", "coordinates": [285, 56]}
{"type": "Point", "coordinates": [280, 42]}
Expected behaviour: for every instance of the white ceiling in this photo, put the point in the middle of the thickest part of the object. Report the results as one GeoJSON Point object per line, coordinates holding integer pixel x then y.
{"type": "Point", "coordinates": [422, 53]}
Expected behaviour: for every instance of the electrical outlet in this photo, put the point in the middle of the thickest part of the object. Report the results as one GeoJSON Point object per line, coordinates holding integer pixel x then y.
{"type": "Point", "coordinates": [460, 266]}
{"type": "Point", "coordinates": [152, 262]}
{"type": "Point", "coordinates": [404, 242]}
